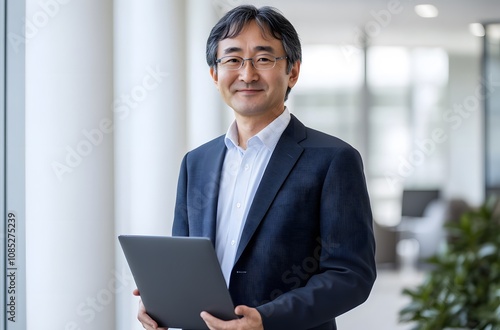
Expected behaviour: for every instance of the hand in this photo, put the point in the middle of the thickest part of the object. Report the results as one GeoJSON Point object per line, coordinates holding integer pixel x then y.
{"type": "Point", "coordinates": [147, 322]}
{"type": "Point", "coordinates": [250, 320]}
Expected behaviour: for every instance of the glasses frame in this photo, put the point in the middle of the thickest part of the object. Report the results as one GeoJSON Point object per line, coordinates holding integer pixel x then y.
{"type": "Point", "coordinates": [251, 59]}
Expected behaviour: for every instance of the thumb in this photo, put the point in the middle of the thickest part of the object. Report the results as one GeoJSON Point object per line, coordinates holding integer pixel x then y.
{"type": "Point", "coordinates": [241, 310]}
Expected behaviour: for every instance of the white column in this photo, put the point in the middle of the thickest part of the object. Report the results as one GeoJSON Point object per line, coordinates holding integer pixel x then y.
{"type": "Point", "coordinates": [150, 130]}
{"type": "Point", "coordinates": [71, 277]}
{"type": "Point", "coordinates": [464, 123]}
{"type": "Point", "coordinates": [205, 107]}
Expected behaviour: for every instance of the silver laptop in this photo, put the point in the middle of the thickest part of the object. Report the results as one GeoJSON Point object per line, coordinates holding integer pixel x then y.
{"type": "Point", "coordinates": [178, 278]}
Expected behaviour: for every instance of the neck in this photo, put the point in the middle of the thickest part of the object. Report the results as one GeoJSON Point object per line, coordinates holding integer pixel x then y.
{"type": "Point", "coordinates": [250, 126]}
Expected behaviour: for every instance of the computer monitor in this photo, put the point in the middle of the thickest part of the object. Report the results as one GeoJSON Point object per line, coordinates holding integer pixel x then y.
{"type": "Point", "coordinates": [415, 201]}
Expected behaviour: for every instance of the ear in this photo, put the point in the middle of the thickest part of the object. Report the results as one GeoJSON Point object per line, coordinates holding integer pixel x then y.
{"type": "Point", "coordinates": [215, 77]}
{"type": "Point", "coordinates": [293, 75]}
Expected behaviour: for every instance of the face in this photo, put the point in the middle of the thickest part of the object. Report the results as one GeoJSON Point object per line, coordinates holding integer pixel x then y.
{"type": "Point", "coordinates": [251, 93]}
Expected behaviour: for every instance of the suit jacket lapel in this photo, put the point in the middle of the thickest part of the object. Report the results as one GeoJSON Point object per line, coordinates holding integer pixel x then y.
{"type": "Point", "coordinates": [284, 157]}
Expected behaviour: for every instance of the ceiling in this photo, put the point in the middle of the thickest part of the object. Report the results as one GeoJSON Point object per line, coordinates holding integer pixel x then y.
{"type": "Point", "coordinates": [389, 22]}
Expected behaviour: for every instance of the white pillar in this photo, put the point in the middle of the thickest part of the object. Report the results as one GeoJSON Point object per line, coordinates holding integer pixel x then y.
{"type": "Point", "coordinates": [205, 107]}
{"type": "Point", "coordinates": [69, 173]}
{"type": "Point", "coordinates": [465, 175]}
{"type": "Point", "coordinates": [150, 130]}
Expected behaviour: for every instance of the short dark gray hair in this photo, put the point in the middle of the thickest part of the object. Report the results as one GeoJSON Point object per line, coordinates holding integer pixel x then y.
{"type": "Point", "coordinates": [269, 19]}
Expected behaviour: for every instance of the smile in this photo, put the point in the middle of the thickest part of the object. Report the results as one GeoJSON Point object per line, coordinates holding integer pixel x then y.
{"type": "Point", "coordinates": [249, 91]}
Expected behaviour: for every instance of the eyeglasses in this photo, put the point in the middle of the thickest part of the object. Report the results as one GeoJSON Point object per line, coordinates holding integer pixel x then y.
{"type": "Point", "coordinates": [261, 62]}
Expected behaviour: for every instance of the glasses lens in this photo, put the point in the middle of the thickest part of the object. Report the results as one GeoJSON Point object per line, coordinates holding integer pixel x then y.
{"type": "Point", "coordinates": [264, 62]}
{"type": "Point", "coordinates": [261, 62]}
{"type": "Point", "coordinates": [231, 62]}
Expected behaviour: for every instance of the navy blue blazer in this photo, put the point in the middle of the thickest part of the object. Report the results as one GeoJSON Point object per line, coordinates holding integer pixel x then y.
{"type": "Point", "coordinates": [306, 253]}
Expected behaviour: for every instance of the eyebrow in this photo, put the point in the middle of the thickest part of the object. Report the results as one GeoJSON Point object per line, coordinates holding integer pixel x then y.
{"type": "Point", "coordinates": [231, 50]}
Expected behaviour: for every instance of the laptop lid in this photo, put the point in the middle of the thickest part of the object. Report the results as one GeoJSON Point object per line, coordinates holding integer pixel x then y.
{"type": "Point", "coordinates": [178, 278]}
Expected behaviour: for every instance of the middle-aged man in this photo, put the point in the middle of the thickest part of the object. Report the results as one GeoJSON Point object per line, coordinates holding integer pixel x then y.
{"type": "Point", "coordinates": [285, 206]}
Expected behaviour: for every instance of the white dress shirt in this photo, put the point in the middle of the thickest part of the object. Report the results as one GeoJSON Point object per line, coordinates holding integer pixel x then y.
{"type": "Point", "coordinates": [241, 174]}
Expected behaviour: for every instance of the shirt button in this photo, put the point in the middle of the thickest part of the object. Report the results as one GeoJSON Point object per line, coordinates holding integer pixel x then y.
{"type": "Point", "coordinates": [247, 167]}
{"type": "Point", "coordinates": [238, 205]}
{"type": "Point", "coordinates": [233, 242]}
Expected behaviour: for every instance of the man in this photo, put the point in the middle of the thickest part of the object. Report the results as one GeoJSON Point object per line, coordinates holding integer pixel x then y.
{"type": "Point", "coordinates": [285, 206]}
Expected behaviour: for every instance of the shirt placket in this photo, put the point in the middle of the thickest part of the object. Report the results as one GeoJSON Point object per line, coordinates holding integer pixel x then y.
{"type": "Point", "coordinates": [240, 198]}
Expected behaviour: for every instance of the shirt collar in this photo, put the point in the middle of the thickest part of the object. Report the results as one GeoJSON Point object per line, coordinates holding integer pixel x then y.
{"type": "Point", "coordinates": [269, 136]}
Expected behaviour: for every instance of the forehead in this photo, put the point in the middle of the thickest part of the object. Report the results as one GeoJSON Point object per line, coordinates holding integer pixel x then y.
{"type": "Point", "coordinates": [251, 37]}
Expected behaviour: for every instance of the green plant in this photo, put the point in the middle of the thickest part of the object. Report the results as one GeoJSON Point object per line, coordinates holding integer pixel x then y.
{"type": "Point", "coordinates": [462, 289]}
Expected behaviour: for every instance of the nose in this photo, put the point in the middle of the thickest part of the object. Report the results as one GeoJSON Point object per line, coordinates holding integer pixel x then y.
{"type": "Point", "coordinates": [248, 73]}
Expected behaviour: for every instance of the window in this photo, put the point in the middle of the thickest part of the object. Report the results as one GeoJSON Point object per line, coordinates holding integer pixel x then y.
{"type": "Point", "coordinates": [405, 145]}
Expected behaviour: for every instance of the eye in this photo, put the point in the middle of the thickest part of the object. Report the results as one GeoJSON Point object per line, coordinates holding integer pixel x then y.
{"type": "Point", "coordinates": [231, 60]}
{"type": "Point", "coordinates": [265, 59]}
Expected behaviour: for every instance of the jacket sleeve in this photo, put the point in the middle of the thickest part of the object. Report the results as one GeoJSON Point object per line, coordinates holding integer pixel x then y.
{"type": "Point", "coordinates": [346, 263]}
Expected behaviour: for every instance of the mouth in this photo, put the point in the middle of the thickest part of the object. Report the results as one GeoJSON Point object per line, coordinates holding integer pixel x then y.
{"type": "Point", "coordinates": [248, 91]}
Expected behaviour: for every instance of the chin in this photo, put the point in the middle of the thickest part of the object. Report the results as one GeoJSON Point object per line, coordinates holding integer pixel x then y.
{"type": "Point", "coordinates": [245, 109]}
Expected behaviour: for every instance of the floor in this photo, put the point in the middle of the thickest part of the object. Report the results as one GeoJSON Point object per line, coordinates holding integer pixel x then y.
{"type": "Point", "coordinates": [380, 311]}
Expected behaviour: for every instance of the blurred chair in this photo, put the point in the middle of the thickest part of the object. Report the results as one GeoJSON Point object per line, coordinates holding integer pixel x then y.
{"type": "Point", "coordinates": [421, 230]}
{"type": "Point", "coordinates": [424, 214]}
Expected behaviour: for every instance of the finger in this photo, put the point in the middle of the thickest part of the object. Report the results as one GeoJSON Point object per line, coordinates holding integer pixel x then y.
{"type": "Point", "coordinates": [146, 320]}
{"type": "Point", "coordinates": [136, 292]}
{"type": "Point", "coordinates": [151, 325]}
{"type": "Point", "coordinates": [250, 316]}
{"type": "Point", "coordinates": [148, 323]}
{"type": "Point", "coordinates": [147, 327]}
{"type": "Point", "coordinates": [211, 321]}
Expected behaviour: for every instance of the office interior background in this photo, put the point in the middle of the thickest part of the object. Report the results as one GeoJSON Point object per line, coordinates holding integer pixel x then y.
{"type": "Point", "coordinates": [102, 99]}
